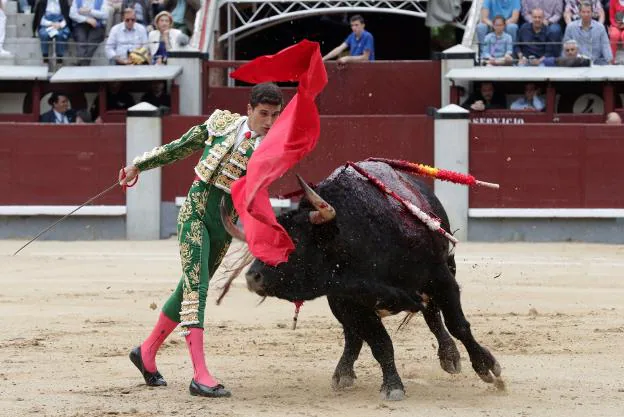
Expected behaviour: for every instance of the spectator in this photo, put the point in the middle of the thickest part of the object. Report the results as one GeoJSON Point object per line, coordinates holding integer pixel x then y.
{"type": "Point", "coordinates": [572, 10]}
{"type": "Point", "coordinates": [534, 41]}
{"type": "Point", "coordinates": [616, 30]}
{"type": "Point", "coordinates": [613, 118]}
{"type": "Point", "coordinates": [83, 117]}
{"type": "Point", "coordinates": [142, 10]}
{"type": "Point", "coordinates": [486, 98]}
{"type": "Point", "coordinates": [553, 11]}
{"type": "Point", "coordinates": [590, 36]}
{"type": "Point", "coordinates": [125, 37]}
{"type": "Point", "coordinates": [164, 38]}
{"type": "Point", "coordinates": [3, 30]}
{"type": "Point", "coordinates": [89, 25]}
{"type": "Point", "coordinates": [498, 46]}
{"type": "Point", "coordinates": [25, 6]}
{"type": "Point", "coordinates": [52, 21]}
{"type": "Point", "coordinates": [360, 43]}
{"type": "Point", "coordinates": [570, 58]}
{"type": "Point", "coordinates": [114, 10]}
{"type": "Point", "coordinates": [116, 99]}
{"type": "Point", "coordinates": [530, 100]}
{"type": "Point", "coordinates": [183, 12]}
{"type": "Point", "coordinates": [508, 9]}
{"type": "Point", "coordinates": [60, 113]}
{"type": "Point", "coordinates": [158, 96]}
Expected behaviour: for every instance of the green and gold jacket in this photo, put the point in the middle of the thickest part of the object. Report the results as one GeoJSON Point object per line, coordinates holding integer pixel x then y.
{"type": "Point", "coordinates": [220, 164]}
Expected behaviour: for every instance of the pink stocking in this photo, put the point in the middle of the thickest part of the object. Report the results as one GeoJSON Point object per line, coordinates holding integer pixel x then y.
{"type": "Point", "coordinates": [149, 347]}
{"type": "Point", "coordinates": [195, 343]}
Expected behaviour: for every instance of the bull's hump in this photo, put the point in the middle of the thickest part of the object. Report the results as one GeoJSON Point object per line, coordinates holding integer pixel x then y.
{"type": "Point", "coordinates": [392, 179]}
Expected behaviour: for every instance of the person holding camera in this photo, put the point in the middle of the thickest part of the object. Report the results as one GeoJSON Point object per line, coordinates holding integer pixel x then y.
{"type": "Point", "coordinates": [616, 30]}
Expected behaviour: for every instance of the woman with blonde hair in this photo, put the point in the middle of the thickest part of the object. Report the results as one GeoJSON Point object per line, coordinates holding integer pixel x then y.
{"type": "Point", "coordinates": [165, 38]}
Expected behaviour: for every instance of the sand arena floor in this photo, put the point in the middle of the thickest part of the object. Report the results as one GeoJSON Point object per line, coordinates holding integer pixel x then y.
{"type": "Point", "coordinates": [552, 314]}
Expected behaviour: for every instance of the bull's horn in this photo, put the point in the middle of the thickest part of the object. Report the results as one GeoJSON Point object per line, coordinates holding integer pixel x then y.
{"type": "Point", "coordinates": [234, 231]}
{"type": "Point", "coordinates": [324, 212]}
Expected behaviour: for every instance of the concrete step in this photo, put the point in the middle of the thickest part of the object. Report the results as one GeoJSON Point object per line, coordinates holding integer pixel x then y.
{"type": "Point", "coordinates": [10, 7]}
{"type": "Point", "coordinates": [23, 22]}
{"type": "Point", "coordinates": [7, 60]}
{"type": "Point", "coordinates": [27, 51]}
{"type": "Point", "coordinates": [10, 31]}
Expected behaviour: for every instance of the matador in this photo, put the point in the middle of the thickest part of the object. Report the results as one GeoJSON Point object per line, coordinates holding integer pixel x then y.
{"type": "Point", "coordinates": [228, 140]}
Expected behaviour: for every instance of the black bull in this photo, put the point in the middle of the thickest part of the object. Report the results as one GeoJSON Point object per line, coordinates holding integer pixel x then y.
{"type": "Point", "coordinates": [370, 257]}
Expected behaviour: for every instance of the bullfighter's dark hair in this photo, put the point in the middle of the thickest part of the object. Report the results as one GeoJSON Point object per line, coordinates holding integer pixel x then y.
{"type": "Point", "coordinates": [55, 96]}
{"type": "Point", "coordinates": [357, 17]}
{"type": "Point", "coordinates": [266, 93]}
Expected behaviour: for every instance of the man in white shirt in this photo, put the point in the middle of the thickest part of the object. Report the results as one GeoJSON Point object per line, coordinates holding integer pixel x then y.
{"type": "Point", "coordinates": [530, 101]}
{"type": "Point", "coordinates": [125, 37]}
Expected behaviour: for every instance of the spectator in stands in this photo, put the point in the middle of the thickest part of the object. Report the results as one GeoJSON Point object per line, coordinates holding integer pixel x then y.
{"type": "Point", "coordinates": [83, 117]}
{"type": "Point", "coordinates": [158, 96]}
{"type": "Point", "coordinates": [164, 38]}
{"type": "Point", "coordinates": [142, 10]}
{"type": "Point", "coordinates": [89, 25]}
{"type": "Point", "coordinates": [572, 10]}
{"type": "Point", "coordinates": [535, 43]}
{"type": "Point", "coordinates": [508, 9]}
{"type": "Point", "coordinates": [60, 113]}
{"type": "Point", "coordinates": [553, 11]}
{"type": "Point", "coordinates": [114, 16]}
{"type": "Point", "coordinates": [360, 44]}
{"type": "Point", "coordinates": [616, 30]}
{"type": "Point", "coordinates": [183, 12]}
{"type": "Point", "coordinates": [3, 30]}
{"type": "Point", "coordinates": [25, 6]}
{"type": "Point", "coordinates": [570, 58]}
{"type": "Point", "coordinates": [498, 46]}
{"type": "Point", "coordinates": [530, 100]}
{"type": "Point", "coordinates": [486, 98]}
{"type": "Point", "coordinates": [116, 99]}
{"type": "Point", "coordinates": [591, 37]}
{"type": "Point", "coordinates": [52, 22]}
{"type": "Point", "coordinates": [124, 38]}
{"type": "Point", "coordinates": [613, 118]}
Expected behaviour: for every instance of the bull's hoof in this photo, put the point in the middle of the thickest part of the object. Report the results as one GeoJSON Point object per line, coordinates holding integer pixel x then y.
{"type": "Point", "coordinates": [449, 357]}
{"type": "Point", "coordinates": [486, 366]}
{"type": "Point", "coordinates": [343, 381]}
{"type": "Point", "coordinates": [396, 394]}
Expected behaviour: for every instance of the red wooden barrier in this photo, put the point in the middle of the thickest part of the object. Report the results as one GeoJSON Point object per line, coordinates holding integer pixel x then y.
{"type": "Point", "coordinates": [60, 164]}
{"type": "Point", "coordinates": [548, 166]}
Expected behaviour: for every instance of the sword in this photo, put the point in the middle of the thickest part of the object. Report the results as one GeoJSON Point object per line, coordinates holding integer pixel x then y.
{"type": "Point", "coordinates": [67, 215]}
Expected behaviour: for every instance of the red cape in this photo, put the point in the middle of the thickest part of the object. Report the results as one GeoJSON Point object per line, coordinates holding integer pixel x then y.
{"type": "Point", "coordinates": [293, 136]}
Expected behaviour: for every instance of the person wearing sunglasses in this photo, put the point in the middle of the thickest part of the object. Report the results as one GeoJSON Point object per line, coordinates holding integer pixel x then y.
{"type": "Point", "coordinates": [124, 38]}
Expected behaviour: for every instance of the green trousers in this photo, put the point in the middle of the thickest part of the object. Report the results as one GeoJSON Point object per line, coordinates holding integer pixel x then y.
{"type": "Point", "coordinates": [203, 244]}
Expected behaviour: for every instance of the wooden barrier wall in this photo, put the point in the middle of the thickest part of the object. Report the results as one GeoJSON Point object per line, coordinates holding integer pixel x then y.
{"type": "Point", "coordinates": [548, 166]}
{"type": "Point", "coordinates": [60, 164]}
{"type": "Point", "coordinates": [382, 87]}
{"type": "Point", "coordinates": [344, 138]}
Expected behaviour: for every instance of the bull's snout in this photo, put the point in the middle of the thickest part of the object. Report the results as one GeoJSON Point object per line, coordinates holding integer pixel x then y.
{"type": "Point", "coordinates": [255, 282]}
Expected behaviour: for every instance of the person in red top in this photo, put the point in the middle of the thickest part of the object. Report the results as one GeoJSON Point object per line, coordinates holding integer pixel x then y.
{"type": "Point", "coordinates": [616, 30]}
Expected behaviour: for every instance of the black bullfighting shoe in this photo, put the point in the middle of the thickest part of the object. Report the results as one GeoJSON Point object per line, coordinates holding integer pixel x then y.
{"type": "Point", "coordinates": [217, 391]}
{"type": "Point", "coordinates": [152, 379]}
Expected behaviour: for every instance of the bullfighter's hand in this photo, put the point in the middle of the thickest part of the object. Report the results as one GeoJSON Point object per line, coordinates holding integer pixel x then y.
{"type": "Point", "coordinates": [131, 173]}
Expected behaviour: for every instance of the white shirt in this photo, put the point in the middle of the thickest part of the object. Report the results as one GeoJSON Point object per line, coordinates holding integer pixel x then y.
{"type": "Point", "coordinates": [121, 40]}
{"type": "Point", "coordinates": [60, 118]}
{"type": "Point", "coordinates": [241, 135]}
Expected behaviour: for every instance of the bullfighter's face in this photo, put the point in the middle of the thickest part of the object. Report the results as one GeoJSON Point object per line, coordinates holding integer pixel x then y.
{"type": "Point", "coordinates": [262, 117]}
